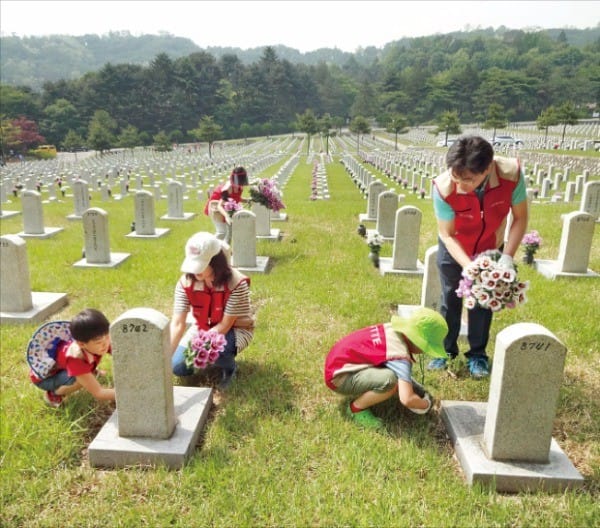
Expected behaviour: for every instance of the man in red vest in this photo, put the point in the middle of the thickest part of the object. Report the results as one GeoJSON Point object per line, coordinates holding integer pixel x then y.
{"type": "Point", "coordinates": [472, 201]}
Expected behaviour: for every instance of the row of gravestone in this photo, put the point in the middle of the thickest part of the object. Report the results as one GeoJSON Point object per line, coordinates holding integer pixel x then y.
{"type": "Point", "coordinates": [402, 227]}
{"type": "Point", "coordinates": [18, 299]}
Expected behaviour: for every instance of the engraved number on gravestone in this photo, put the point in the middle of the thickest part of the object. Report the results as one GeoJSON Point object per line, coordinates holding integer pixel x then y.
{"type": "Point", "coordinates": [130, 328]}
{"type": "Point", "coordinates": [535, 346]}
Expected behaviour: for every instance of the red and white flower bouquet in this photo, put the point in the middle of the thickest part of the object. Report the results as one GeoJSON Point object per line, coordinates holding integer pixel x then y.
{"type": "Point", "coordinates": [487, 284]}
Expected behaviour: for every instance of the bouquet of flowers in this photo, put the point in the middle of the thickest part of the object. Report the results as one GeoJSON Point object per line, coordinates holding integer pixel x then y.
{"type": "Point", "coordinates": [231, 206]}
{"type": "Point", "coordinates": [204, 349]}
{"type": "Point", "coordinates": [531, 242]}
{"type": "Point", "coordinates": [374, 241]}
{"type": "Point", "coordinates": [489, 285]}
{"type": "Point", "coordinates": [267, 193]}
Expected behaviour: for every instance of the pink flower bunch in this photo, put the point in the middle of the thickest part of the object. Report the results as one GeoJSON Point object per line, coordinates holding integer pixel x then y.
{"type": "Point", "coordinates": [531, 241]}
{"type": "Point", "coordinates": [204, 348]}
{"type": "Point", "coordinates": [267, 193]}
{"type": "Point", "coordinates": [231, 206]}
{"type": "Point", "coordinates": [488, 285]}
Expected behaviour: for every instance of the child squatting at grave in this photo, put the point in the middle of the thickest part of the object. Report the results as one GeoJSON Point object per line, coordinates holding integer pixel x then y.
{"type": "Point", "coordinates": [374, 363]}
{"type": "Point", "coordinates": [219, 298]}
{"type": "Point", "coordinates": [215, 207]}
{"type": "Point", "coordinates": [64, 356]}
{"type": "Point", "coordinates": [472, 200]}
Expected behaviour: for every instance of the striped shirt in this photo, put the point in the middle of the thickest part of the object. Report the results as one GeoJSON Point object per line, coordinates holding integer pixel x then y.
{"type": "Point", "coordinates": [238, 305]}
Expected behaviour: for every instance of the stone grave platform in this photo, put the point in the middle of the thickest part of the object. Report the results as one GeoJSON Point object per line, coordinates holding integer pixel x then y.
{"type": "Point", "coordinates": [44, 305]}
{"type": "Point", "coordinates": [551, 269]}
{"type": "Point", "coordinates": [9, 214]}
{"type": "Point", "coordinates": [116, 259]}
{"type": "Point", "coordinates": [158, 232]}
{"type": "Point", "coordinates": [48, 232]}
{"type": "Point", "coordinates": [192, 405]}
{"type": "Point", "coordinates": [386, 266]}
{"type": "Point", "coordinates": [262, 265]}
{"type": "Point", "coordinates": [273, 236]}
{"type": "Point", "coordinates": [184, 216]}
{"type": "Point", "coordinates": [465, 422]}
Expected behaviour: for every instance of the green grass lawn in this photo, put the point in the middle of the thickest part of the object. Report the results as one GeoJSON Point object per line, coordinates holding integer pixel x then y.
{"type": "Point", "coordinates": [277, 450]}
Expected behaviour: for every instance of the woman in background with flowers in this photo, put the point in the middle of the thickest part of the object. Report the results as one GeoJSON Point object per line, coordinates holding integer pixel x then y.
{"type": "Point", "coordinates": [223, 202]}
{"type": "Point", "coordinates": [472, 200]}
{"type": "Point", "coordinates": [219, 299]}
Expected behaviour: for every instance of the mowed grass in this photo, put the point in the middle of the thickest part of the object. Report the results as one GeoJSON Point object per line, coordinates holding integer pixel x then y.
{"type": "Point", "coordinates": [277, 450]}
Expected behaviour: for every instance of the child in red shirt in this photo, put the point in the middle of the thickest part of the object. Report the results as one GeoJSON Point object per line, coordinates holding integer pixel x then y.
{"type": "Point", "coordinates": [64, 356]}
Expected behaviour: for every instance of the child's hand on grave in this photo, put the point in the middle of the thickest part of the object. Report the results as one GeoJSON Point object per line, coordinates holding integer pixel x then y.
{"type": "Point", "coordinates": [429, 401]}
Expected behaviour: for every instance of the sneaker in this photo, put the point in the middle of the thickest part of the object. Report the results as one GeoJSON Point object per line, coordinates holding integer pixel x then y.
{"type": "Point", "coordinates": [51, 399]}
{"type": "Point", "coordinates": [437, 364]}
{"type": "Point", "coordinates": [226, 378]}
{"type": "Point", "coordinates": [478, 367]}
{"type": "Point", "coordinates": [365, 419]}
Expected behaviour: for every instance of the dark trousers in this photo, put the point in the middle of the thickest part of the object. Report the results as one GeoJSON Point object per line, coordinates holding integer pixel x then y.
{"type": "Point", "coordinates": [479, 319]}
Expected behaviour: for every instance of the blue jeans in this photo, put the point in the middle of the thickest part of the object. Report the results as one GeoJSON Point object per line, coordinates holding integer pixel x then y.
{"type": "Point", "coordinates": [226, 359]}
{"type": "Point", "coordinates": [479, 319]}
{"type": "Point", "coordinates": [59, 379]}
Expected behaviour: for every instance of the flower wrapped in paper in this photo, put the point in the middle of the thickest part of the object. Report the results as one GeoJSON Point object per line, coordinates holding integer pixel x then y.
{"type": "Point", "coordinates": [266, 192]}
{"type": "Point", "coordinates": [204, 349]}
{"type": "Point", "coordinates": [487, 284]}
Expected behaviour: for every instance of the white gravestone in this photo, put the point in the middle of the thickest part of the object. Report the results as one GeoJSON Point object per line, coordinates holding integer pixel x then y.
{"type": "Point", "coordinates": [507, 442]}
{"type": "Point", "coordinates": [374, 189]}
{"type": "Point", "coordinates": [81, 199]}
{"type": "Point", "coordinates": [18, 304]}
{"type": "Point", "coordinates": [144, 217]}
{"type": "Point", "coordinates": [590, 200]}
{"type": "Point", "coordinates": [386, 214]}
{"type": "Point", "coordinates": [406, 244]}
{"type": "Point", "coordinates": [33, 217]}
{"type": "Point", "coordinates": [155, 423]}
{"type": "Point", "coordinates": [263, 223]}
{"type": "Point", "coordinates": [574, 249]}
{"type": "Point", "coordinates": [175, 203]}
{"type": "Point", "coordinates": [97, 243]}
{"type": "Point", "coordinates": [243, 229]}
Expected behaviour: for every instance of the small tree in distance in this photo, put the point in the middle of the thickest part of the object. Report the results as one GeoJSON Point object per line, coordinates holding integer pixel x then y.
{"type": "Point", "coordinates": [567, 114]}
{"type": "Point", "coordinates": [307, 123]}
{"type": "Point", "coordinates": [546, 119]}
{"type": "Point", "coordinates": [495, 118]}
{"type": "Point", "coordinates": [359, 125]}
{"type": "Point", "coordinates": [208, 131]}
{"type": "Point", "coordinates": [397, 124]}
{"type": "Point", "coordinates": [449, 123]}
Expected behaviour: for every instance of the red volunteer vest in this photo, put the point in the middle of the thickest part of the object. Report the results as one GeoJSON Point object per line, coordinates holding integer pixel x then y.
{"type": "Point", "coordinates": [208, 305]}
{"type": "Point", "coordinates": [481, 228]}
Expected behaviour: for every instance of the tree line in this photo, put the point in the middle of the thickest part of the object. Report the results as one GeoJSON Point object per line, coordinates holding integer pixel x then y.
{"type": "Point", "coordinates": [518, 76]}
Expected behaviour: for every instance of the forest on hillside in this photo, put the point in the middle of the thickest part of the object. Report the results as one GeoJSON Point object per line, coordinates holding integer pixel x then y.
{"type": "Point", "coordinates": [521, 73]}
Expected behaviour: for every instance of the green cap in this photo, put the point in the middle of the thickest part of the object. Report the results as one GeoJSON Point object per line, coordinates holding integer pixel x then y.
{"type": "Point", "coordinates": [425, 328]}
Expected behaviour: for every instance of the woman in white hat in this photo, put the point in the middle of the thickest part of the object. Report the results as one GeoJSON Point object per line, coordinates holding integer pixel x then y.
{"type": "Point", "coordinates": [218, 297]}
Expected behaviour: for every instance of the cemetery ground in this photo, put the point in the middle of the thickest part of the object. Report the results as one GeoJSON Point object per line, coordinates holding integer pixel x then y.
{"type": "Point", "coordinates": [277, 450]}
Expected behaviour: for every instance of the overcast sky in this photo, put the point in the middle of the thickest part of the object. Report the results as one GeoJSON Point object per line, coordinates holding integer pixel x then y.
{"type": "Point", "coordinates": [302, 25]}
